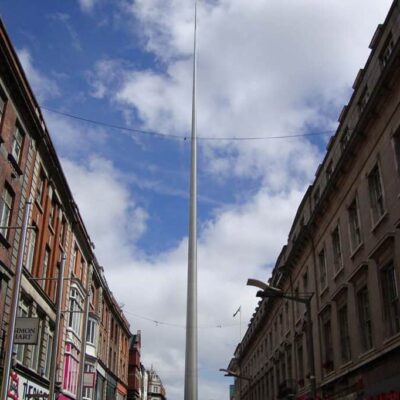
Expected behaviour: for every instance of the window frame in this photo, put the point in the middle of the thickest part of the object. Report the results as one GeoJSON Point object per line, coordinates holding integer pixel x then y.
{"type": "Point", "coordinates": [364, 317]}
{"type": "Point", "coordinates": [337, 249]}
{"type": "Point", "coordinates": [17, 143]}
{"type": "Point", "coordinates": [376, 194]}
{"type": "Point", "coordinates": [322, 256]}
{"type": "Point", "coordinates": [6, 204]}
{"type": "Point", "coordinates": [391, 307]}
{"type": "Point", "coordinates": [354, 224]}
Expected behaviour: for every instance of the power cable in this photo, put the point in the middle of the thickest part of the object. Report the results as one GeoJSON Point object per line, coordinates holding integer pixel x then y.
{"type": "Point", "coordinates": [180, 137]}
{"type": "Point", "coordinates": [164, 323]}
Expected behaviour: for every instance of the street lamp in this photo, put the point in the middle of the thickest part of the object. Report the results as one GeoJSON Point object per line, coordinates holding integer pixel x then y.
{"type": "Point", "coordinates": [233, 374]}
{"type": "Point", "coordinates": [304, 298]}
{"type": "Point", "coordinates": [236, 375]}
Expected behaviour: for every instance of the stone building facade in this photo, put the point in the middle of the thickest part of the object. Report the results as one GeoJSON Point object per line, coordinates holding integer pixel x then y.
{"type": "Point", "coordinates": [344, 249]}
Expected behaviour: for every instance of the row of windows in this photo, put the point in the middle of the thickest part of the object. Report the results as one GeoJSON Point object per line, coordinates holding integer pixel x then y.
{"type": "Point", "coordinates": [355, 232]}
{"type": "Point", "coordinates": [362, 326]}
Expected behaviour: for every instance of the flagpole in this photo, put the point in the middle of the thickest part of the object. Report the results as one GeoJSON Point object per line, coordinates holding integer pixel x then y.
{"type": "Point", "coordinates": [191, 372]}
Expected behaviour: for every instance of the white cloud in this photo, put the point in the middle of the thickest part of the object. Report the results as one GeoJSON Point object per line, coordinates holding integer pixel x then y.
{"type": "Point", "coordinates": [108, 209]}
{"type": "Point", "coordinates": [155, 287]}
{"type": "Point", "coordinates": [265, 69]}
{"type": "Point", "coordinates": [44, 88]}
{"type": "Point", "coordinates": [87, 5]}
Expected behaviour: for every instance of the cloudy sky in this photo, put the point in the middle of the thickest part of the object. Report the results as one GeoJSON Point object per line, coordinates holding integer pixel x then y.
{"type": "Point", "coordinates": [266, 68]}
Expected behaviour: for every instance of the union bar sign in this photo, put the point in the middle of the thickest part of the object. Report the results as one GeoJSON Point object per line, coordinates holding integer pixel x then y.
{"type": "Point", "coordinates": [26, 331]}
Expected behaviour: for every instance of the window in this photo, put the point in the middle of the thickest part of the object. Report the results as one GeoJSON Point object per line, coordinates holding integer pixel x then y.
{"type": "Point", "coordinates": [73, 260]}
{"type": "Point", "coordinates": [345, 138]}
{"type": "Point", "coordinates": [17, 144]}
{"type": "Point", "coordinates": [329, 170]}
{"type": "Point", "coordinates": [327, 354]}
{"type": "Point", "coordinates": [327, 342]}
{"type": "Point", "coordinates": [364, 99]}
{"type": "Point", "coordinates": [62, 231]}
{"type": "Point", "coordinates": [31, 249]}
{"type": "Point", "coordinates": [87, 391]}
{"type": "Point", "coordinates": [287, 316]}
{"type": "Point", "coordinates": [344, 333]}
{"type": "Point", "coordinates": [354, 222]}
{"type": "Point", "coordinates": [6, 210]}
{"type": "Point", "coordinates": [91, 332]}
{"type": "Point", "coordinates": [316, 195]}
{"type": "Point", "coordinates": [296, 304]}
{"type": "Point", "coordinates": [300, 362]}
{"type": "Point", "coordinates": [49, 350]}
{"type": "Point", "coordinates": [23, 311]}
{"type": "Point", "coordinates": [75, 310]}
{"type": "Point", "coordinates": [45, 266]}
{"type": "Point", "coordinates": [37, 349]}
{"type": "Point", "coordinates": [52, 215]}
{"type": "Point", "coordinates": [40, 188]}
{"type": "Point", "coordinates": [364, 318]}
{"type": "Point", "coordinates": [386, 51]}
{"type": "Point", "coordinates": [376, 194]}
{"type": "Point", "coordinates": [289, 362]}
{"type": "Point", "coordinates": [337, 250]}
{"type": "Point", "coordinates": [322, 270]}
{"type": "Point", "coordinates": [390, 299]}
{"type": "Point", "coordinates": [71, 369]}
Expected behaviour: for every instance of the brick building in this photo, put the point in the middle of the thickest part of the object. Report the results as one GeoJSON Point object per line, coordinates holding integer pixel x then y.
{"type": "Point", "coordinates": [134, 368]}
{"type": "Point", "coordinates": [30, 169]}
{"type": "Point", "coordinates": [344, 248]}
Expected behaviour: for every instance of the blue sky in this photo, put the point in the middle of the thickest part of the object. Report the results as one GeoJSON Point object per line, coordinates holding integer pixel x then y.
{"type": "Point", "coordinates": [266, 68]}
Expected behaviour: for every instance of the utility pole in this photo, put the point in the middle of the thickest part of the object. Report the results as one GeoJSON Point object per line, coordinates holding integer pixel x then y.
{"type": "Point", "coordinates": [14, 303]}
{"type": "Point", "coordinates": [191, 390]}
{"type": "Point", "coordinates": [54, 354]}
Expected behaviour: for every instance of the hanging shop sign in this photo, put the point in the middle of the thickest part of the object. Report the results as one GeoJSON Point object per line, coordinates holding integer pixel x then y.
{"type": "Point", "coordinates": [89, 379]}
{"type": "Point", "coordinates": [26, 330]}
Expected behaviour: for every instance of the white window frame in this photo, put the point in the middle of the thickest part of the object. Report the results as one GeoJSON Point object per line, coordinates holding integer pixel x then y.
{"type": "Point", "coordinates": [6, 210]}
{"type": "Point", "coordinates": [18, 140]}
{"type": "Point", "coordinates": [31, 246]}
{"type": "Point", "coordinates": [75, 310]}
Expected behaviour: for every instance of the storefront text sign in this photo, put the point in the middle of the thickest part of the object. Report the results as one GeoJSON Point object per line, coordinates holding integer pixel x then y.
{"type": "Point", "coordinates": [26, 331]}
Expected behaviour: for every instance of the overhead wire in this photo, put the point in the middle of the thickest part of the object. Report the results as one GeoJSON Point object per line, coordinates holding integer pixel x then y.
{"type": "Point", "coordinates": [164, 323]}
{"type": "Point", "coordinates": [180, 137]}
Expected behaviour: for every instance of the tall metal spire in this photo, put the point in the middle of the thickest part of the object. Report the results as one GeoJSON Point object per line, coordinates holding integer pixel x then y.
{"type": "Point", "coordinates": [191, 385]}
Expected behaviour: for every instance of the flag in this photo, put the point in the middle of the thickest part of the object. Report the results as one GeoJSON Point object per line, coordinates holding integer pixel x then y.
{"type": "Point", "coordinates": [239, 309]}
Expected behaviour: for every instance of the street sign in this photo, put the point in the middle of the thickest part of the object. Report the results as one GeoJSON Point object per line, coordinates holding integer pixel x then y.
{"type": "Point", "coordinates": [89, 379]}
{"type": "Point", "coordinates": [26, 330]}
